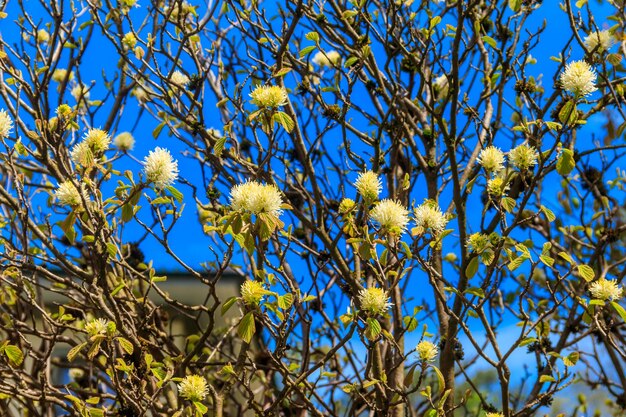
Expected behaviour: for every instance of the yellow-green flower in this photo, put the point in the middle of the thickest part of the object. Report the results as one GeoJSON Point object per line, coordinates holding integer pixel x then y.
{"type": "Point", "coordinates": [269, 96]}
{"type": "Point", "coordinates": [478, 242]}
{"type": "Point", "coordinates": [497, 187]}
{"type": "Point", "coordinates": [97, 327]}
{"type": "Point", "coordinates": [124, 141]}
{"type": "Point", "coordinates": [327, 59]}
{"type": "Point", "coordinates": [429, 216]}
{"type": "Point", "coordinates": [60, 74]}
{"type": "Point", "coordinates": [374, 300]}
{"type": "Point", "coordinates": [346, 205]}
{"type": "Point", "coordinates": [492, 159]}
{"type": "Point", "coordinates": [602, 40]}
{"type": "Point", "coordinates": [68, 194]}
{"type": "Point", "coordinates": [42, 36]}
{"type": "Point", "coordinates": [494, 415]}
{"type": "Point", "coordinates": [129, 40]}
{"type": "Point", "coordinates": [606, 289]}
{"type": "Point", "coordinates": [523, 157]}
{"type": "Point", "coordinates": [369, 185]}
{"type": "Point", "coordinates": [427, 351]}
{"type": "Point", "coordinates": [252, 292]}
{"type": "Point", "coordinates": [193, 388]}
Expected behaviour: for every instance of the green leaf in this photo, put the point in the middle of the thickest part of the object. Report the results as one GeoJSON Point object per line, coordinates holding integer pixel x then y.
{"type": "Point", "coordinates": [568, 113]}
{"type": "Point", "coordinates": [219, 146]}
{"type": "Point", "coordinates": [373, 329]}
{"type": "Point", "coordinates": [442, 383]}
{"type": "Point", "coordinates": [515, 5]}
{"type": "Point", "coordinates": [547, 378]}
{"type": "Point", "coordinates": [126, 345]}
{"type": "Point", "coordinates": [14, 354]}
{"type": "Point", "coordinates": [228, 304]}
{"type": "Point", "coordinates": [247, 328]}
{"type": "Point", "coordinates": [201, 408]}
{"type": "Point", "coordinates": [111, 250]}
{"type": "Point", "coordinates": [75, 351]}
{"type": "Point", "coordinates": [586, 272]}
{"type": "Point", "coordinates": [285, 301]}
{"type": "Point", "coordinates": [284, 120]}
{"type": "Point", "coordinates": [508, 204]}
{"type": "Point", "coordinates": [305, 51]}
{"type": "Point", "coordinates": [434, 21]}
{"type": "Point", "coordinates": [127, 213]}
{"type": "Point", "coordinates": [548, 213]}
{"type": "Point", "coordinates": [472, 268]}
{"type": "Point", "coordinates": [567, 257]}
{"type": "Point", "coordinates": [528, 341]}
{"type": "Point", "coordinates": [157, 131]}
{"type": "Point", "coordinates": [565, 164]}
{"type": "Point", "coordinates": [571, 359]}
{"type": "Point", "coordinates": [490, 41]}
{"type": "Point", "coordinates": [178, 196]}
{"type": "Point", "coordinates": [620, 310]}
{"type": "Point", "coordinates": [478, 292]}
{"type": "Point", "coordinates": [313, 36]}
{"type": "Point", "coordinates": [410, 323]}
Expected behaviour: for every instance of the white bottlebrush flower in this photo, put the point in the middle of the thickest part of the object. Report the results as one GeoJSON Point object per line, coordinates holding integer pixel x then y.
{"type": "Point", "coordinates": [82, 155]}
{"type": "Point", "coordinates": [6, 124]}
{"type": "Point", "coordinates": [80, 93]}
{"type": "Point", "coordinates": [523, 157]}
{"type": "Point", "coordinates": [369, 185]}
{"type": "Point", "coordinates": [68, 194]}
{"type": "Point", "coordinates": [578, 78]}
{"type": "Point", "coordinates": [429, 216]}
{"type": "Point", "coordinates": [492, 159]}
{"type": "Point", "coordinates": [97, 327]}
{"type": "Point", "coordinates": [602, 40]}
{"type": "Point", "coordinates": [269, 96]}
{"type": "Point", "coordinates": [193, 388]}
{"type": "Point", "coordinates": [441, 86]}
{"type": "Point", "coordinates": [179, 79]}
{"type": "Point", "coordinates": [98, 140]}
{"type": "Point", "coordinates": [124, 141]}
{"type": "Point", "coordinates": [252, 292]}
{"type": "Point", "coordinates": [391, 215]}
{"type": "Point", "coordinates": [256, 198]}
{"type": "Point", "coordinates": [606, 289]}
{"type": "Point", "coordinates": [160, 168]}
{"type": "Point", "coordinates": [427, 351]}
{"type": "Point", "coordinates": [374, 300]}
{"type": "Point", "coordinates": [327, 59]}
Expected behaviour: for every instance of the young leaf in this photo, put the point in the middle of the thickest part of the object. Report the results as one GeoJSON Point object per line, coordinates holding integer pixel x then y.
{"type": "Point", "coordinates": [247, 327]}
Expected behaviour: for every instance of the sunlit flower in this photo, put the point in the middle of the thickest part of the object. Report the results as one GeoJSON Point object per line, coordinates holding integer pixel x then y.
{"type": "Point", "coordinates": [602, 40]}
{"type": "Point", "coordinates": [497, 186]}
{"type": "Point", "coordinates": [606, 289]}
{"type": "Point", "coordinates": [494, 415]}
{"type": "Point", "coordinates": [68, 194]}
{"type": "Point", "coordinates": [64, 111]}
{"type": "Point", "coordinates": [427, 351]}
{"type": "Point", "coordinates": [59, 75]}
{"type": "Point", "coordinates": [179, 79]}
{"type": "Point", "coordinates": [82, 154]}
{"type": "Point", "coordinates": [327, 59]}
{"type": "Point", "coordinates": [391, 215]}
{"type": "Point", "coordinates": [193, 388]}
{"type": "Point", "coordinates": [98, 140]}
{"type": "Point", "coordinates": [578, 78]}
{"type": "Point", "coordinates": [42, 36]}
{"type": "Point", "coordinates": [124, 141]}
{"type": "Point", "coordinates": [369, 185]}
{"type": "Point", "coordinates": [178, 9]}
{"type": "Point", "coordinates": [374, 300]}
{"type": "Point", "coordinates": [429, 216]}
{"type": "Point", "coordinates": [252, 292]}
{"type": "Point", "coordinates": [269, 96]}
{"type": "Point", "coordinates": [523, 157]}
{"type": "Point", "coordinates": [129, 40]}
{"type": "Point", "coordinates": [441, 86]}
{"type": "Point", "coordinates": [160, 168]}
{"type": "Point", "coordinates": [80, 93]}
{"type": "Point", "coordinates": [346, 205]}
{"type": "Point", "coordinates": [492, 159]}
{"type": "Point", "coordinates": [478, 242]}
{"type": "Point", "coordinates": [6, 124]}
{"type": "Point", "coordinates": [256, 198]}
{"type": "Point", "coordinates": [97, 327]}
